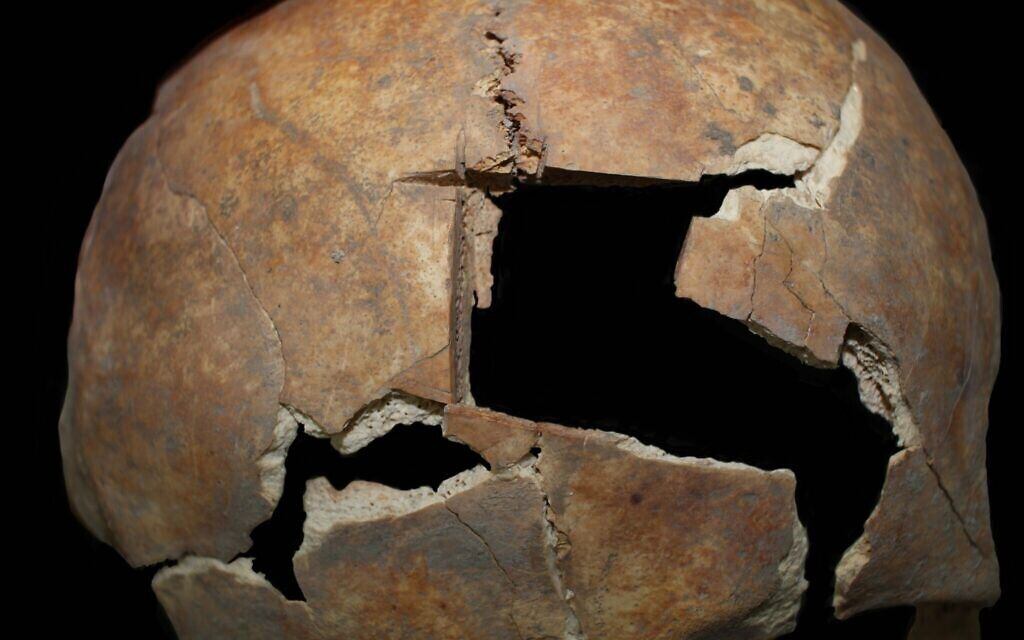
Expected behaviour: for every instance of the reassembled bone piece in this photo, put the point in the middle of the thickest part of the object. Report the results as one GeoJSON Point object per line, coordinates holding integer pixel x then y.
{"type": "Point", "coordinates": [299, 232]}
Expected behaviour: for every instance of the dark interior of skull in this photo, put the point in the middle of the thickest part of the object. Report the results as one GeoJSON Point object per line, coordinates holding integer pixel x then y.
{"type": "Point", "coordinates": [408, 457]}
{"type": "Point", "coordinates": [585, 330]}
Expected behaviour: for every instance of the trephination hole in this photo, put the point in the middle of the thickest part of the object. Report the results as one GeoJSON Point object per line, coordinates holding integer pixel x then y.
{"type": "Point", "coordinates": [585, 330]}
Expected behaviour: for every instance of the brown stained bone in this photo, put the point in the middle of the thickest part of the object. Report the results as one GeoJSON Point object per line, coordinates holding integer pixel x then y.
{"type": "Point", "coordinates": [414, 571]}
{"type": "Point", "coordinates": [479, 525]}
{"type": "Point", "coordinates": [325, 257]}
{"type": "Point", "coordinates": [866, 240]}
{"type": "Point", "coordinates": [936, 298]}
{"type": "Point", "coordinates": [673, 90]}
{"type": "Point", "coordinates": [312, 239]}
{"type": "Point", "coordinates": [501, 439]}
{"type": "Point", "coordinates": [883, 248]}
{"type": "Point", "coordinates": [174, 377]}
{"type": "Point", "coordinates": [507, 514]}
{"type": "Point", "coordinates": [652, 546]}
{"type": "Point", "coordinates": [207, 598]}
{"type": "Point", "coordinates": [466, 562]}
{"type": "Point", "coordinates": [573, 547]}
{"type": "Point", "coordinates": [944, 566]}
{"type": "Point", "coordinates": [350, 260]}
{"type": "Point", "coordinates": [757, 261]}
{"type": "Point", "coordinates": [665, 547]}
{"type": "Point", "coordinates": [717, 265]}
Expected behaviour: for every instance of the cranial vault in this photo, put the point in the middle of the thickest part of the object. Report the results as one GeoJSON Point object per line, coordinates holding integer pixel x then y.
{"type": "Point", "coordinates": [300, 232]}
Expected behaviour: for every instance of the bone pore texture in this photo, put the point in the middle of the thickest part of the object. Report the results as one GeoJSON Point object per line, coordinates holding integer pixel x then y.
{"type": "Point", "coordinates": [297, 235]}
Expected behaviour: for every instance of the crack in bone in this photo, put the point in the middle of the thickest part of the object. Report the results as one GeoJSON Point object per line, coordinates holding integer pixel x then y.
{"type": "Point", "coordinates": [812, 190]}
{"type": "Point", "coordinates": [473, 532]}
{"type": "Point", "coordinates": [876, 368]}
{"type": "Point", "coordinates": [556, 548]}
{"type": "Point", "coordinates": [873, 363]}
{"type": "Point", "coordinates": [949, 499]}
{"type": "Point", "coordinates": [362, 501]}
{"type": "Point", "coordinates": [525, 155]}
{"type": "Point", "coordinates": [184, 192]}
{"type": "Point", "coordinates": [270, 464]}
{"type": "Point", "coordinates": [460, 500]}
{"type": "Point", "coordinates": [464, 267]}
{"type": "Point", "coordinates": [438, 178]}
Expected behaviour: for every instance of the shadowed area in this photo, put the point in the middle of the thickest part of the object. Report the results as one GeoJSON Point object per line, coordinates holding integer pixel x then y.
{"type": "Point", "coordinates": [585, 330]}
{"type": "Point", "coordinates": [408, 457]}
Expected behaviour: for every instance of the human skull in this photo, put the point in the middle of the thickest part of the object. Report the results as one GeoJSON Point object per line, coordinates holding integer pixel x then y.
{"type": "Point", "coordinates": [299, 233]}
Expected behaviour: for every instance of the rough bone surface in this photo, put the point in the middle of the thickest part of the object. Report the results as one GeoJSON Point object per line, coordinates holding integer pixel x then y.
{"type": "Point", "coordinates": [299, 232]}
{"type": "Point", "coordinates": [547, 547]}
{"type": "Point", "coordinates": [665, 547]}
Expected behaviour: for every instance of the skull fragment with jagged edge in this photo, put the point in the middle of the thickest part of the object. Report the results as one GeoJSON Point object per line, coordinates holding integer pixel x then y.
{"type": "Point", "coordinates": [299, 234]}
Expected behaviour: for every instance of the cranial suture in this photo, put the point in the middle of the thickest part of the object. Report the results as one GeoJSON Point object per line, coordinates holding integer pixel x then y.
{"type": "Point", "coordinates": [300, 232]}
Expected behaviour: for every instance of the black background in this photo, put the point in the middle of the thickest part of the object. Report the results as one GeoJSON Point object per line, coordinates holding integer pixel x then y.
{"type": "Point", "coordinates": [85, 77]}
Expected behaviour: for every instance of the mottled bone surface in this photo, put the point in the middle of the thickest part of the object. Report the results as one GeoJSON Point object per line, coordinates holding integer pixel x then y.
{"type": "Point", "coordinates": [602, 538]}
{"type": "Point", "coordinates": [298, 232]}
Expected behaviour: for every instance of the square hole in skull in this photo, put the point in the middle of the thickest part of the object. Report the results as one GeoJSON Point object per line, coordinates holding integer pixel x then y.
{"type": "Point", "coordinates": [585, 329]}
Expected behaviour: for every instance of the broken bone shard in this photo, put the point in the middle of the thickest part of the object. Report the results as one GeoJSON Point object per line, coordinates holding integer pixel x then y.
{"type": "Point", "coordinates": [877, 571]}
{"type": "Point", "coordinates": [573, 546]}
{"type": "Point", "coordinates": [757, 261]}
{"type": "Point", "coordinates": [665, 547]}
{"type": "Point", "coordinates": [501, 439]}
{"type": "Point", "coordinates": [645, 537]}
{"type": "Point", "coordinates": [207, 599]}
{"type": "Point", "coordinates": [152, 474]}
{"type": "Point", "coordinates": [465, 562]}
{"type": "Point", "coordinates": [282, 144]}
{"type": "Point", "coordinates": [717, 264]}
{"type": "Point", "coordinates": [858, 245]}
